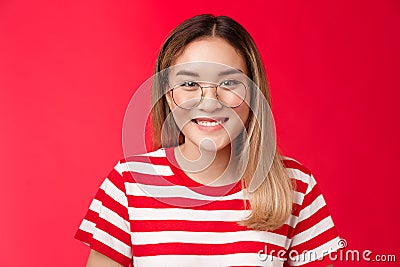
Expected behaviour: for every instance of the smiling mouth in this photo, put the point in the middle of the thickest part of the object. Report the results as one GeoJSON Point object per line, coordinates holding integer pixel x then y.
{"type": "Point", "coordinates": [209, 122]}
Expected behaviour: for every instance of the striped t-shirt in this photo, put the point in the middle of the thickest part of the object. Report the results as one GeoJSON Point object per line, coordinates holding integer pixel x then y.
{"type": "Point", "coordinates": [148, 212]}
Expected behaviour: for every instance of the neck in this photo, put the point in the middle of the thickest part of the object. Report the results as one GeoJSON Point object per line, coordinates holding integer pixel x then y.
{"type": "Point", "coordinates": [206, 166]}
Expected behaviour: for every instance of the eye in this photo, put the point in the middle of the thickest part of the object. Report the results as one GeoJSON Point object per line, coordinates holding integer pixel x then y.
{"type": "Point", "coordinates": [230, 83]}
{"type": "Point", "coordinates": [189, 84]}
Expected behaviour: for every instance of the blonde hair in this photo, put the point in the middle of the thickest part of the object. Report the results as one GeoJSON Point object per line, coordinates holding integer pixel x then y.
{"type": "Point", "coordinates": [271, 203]}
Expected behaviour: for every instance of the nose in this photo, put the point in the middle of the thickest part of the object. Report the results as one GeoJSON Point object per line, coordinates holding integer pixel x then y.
{"type": "Point", "coordinates": [210, 101]}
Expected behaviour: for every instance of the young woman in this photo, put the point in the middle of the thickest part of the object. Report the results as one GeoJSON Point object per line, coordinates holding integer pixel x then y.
{"type": "Point", "coordinates": [214, 191]}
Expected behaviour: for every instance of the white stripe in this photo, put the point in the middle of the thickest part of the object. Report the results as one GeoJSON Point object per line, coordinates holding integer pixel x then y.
{"type": "Point", "coordinates": [137, 189]}
{"type": "Point", "coordinates": [143, 238]}
{"type": "Point", "coordinates": [311, 209]}
{"type": "Point", "coordinates": [115, 219]}
{"type": "Point", "coordinates": [110, 216]}
{"type": "Point", "coordinates": [248, 259]}
{"type": "Point", "coordinates": [143, 167]}
{"type": "Point", "coordinates": [312, 232]}
{"type": "Point", "coordinates": [112, 242]}
{"type": "Point", "coordinates": [291, 159]}
{"type": "Point", "coordinates": [311, 184]}
{"type": "Point", "coordinates": [298, 197]}
{"type": "Point", "coordinates": [187, 214]}
{"type": "Point", "coordinates": [114, 192]}
{"type": "Point", "coordinates": [119, 168]}
{"type": "Point", "coordinates": [316, 253]}
{"type": "Point", "coordinates": [292, 220]}
{"type": "Point", "coordinates": [105, 238]}
{"type": "Point", "coordinates": [159, 153]}
{"type": "Point", "coordinates": [298, 175]}
{"type": "Point", "coordinates": [87, 226]}
{"type": "Point", "coordinates": [96, 205]}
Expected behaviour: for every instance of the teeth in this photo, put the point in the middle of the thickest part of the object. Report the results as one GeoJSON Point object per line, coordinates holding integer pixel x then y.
{"type": "Point", "coordinates": [209, 123]}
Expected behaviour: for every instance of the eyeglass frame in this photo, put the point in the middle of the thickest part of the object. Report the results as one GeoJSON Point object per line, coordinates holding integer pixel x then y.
{"type": "Point", "coordinates": [216, 85]}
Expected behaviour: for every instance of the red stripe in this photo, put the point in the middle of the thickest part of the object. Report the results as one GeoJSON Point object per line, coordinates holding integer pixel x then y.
{"type": "Point", "coordinates": [107, 227]}
{"type": "Point", "coordinates": [217, 191]}
{"type": "Point", "coordinates": [178, 248]}
{"type": "Point", "coordinates": [296, 208]}
{"type": "Point", "coordinates": [300, 186]}
{"type": "Point", "coordinates": [196, 226]}
{"type": "Point", "coordinates": [111, 253]}
{"type": "Point", "coordinates": [174, 202]}
{"type": "Point", "coordinates": [138, 158]}
{"type": "Point", "coordinates": [112, 204]}
{"type": "Point", "coordinates": [102, 248]}
{"type": "Point", "coordinates": [114, 231]}
{"type": "Point", "coordinates": [284, 230]}
{"type": "Point", "coordinates": [296, 165]}
{"type": "Point", "coordinates": [92, 216]}
{"type": "Point", "coordinates": [321, 214]}
{"type": "Point", "coordinates": [117, 179]}
{"type": "Point", "coordinates": [83, 236]}
{"type": "Point", "coordinates": [182, 225]}
{"type": "Point", "coordinates": [311, 196]}
{"type": "Point", "coordinates": [156, 179]}
{"type": "Point", "coordinates": [163, 160]}
{"type": "Point", "coordinates": [148, 179]}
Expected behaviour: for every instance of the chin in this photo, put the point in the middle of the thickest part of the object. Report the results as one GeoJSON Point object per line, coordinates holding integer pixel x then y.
{"type": "Point", "coordinates": [207, 142]}
{"type": "Point", "coordinates": [212, 145]}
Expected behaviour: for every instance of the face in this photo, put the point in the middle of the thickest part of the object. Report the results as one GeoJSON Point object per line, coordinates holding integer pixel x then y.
{"type": "Point", "coordinates": [210, 125]}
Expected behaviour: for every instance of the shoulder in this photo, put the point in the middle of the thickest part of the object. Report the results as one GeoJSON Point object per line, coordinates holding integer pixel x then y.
{"type": "Point", "coordinates": [299, 173]}
{"type": "Point", "coordinates": [293, 164]}
{"type": "Point", "coordinates": [151, 162]}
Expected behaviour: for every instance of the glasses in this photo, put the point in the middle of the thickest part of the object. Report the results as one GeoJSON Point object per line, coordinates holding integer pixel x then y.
{"type": "Point", "coordinates": [189, 94]}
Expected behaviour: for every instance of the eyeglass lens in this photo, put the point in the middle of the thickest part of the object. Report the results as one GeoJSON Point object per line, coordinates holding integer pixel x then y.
{"type": "Point", "coordinates": [229, 93]}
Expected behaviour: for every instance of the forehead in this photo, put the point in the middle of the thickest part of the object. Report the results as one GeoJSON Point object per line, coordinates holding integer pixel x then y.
{"type": "Point", "coordinates": [213, 49]}
{"type": "Point", "coordinates": [204, 71]}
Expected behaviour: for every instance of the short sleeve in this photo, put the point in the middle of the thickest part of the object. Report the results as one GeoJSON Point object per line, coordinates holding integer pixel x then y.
{"type": "Point", "coordinates": [105, 227]}
{"type": "Point", "coordinates": [315, 236]}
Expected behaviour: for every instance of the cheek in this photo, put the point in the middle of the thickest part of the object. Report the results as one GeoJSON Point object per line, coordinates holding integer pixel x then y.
{"type": "Point", "coordinates": [243, 112]}
{"type": "Point", "coordinates": [181, 116]}
{"type": "Point", "coordinates": [237, 121]}
{"type": "Point", "coordinates": [177, 114]}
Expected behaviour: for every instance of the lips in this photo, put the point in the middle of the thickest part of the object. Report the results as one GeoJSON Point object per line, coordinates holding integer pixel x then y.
{"type": "Point", "coordinates": [203, 121]}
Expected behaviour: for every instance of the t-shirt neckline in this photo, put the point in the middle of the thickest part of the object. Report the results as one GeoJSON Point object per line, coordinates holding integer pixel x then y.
{"type": "Point", "coordinates": [196, 186]}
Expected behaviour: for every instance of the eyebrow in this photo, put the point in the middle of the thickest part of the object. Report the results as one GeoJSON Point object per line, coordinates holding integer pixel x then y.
{"type": "Point", "coordinates": [195, 74]}
{"type": "Point", "coordinates": [187, 73]}
{"type": "Point", "coordinates": [230, 71]}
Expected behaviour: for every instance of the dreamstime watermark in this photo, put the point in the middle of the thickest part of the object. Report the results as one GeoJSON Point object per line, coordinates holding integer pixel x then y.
{"type": "Point", "coordinates": [339, 252]}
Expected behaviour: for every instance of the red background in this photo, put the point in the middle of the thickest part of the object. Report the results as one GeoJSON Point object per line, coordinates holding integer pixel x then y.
{"type": "Point", "coordinates": [69, 68]}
